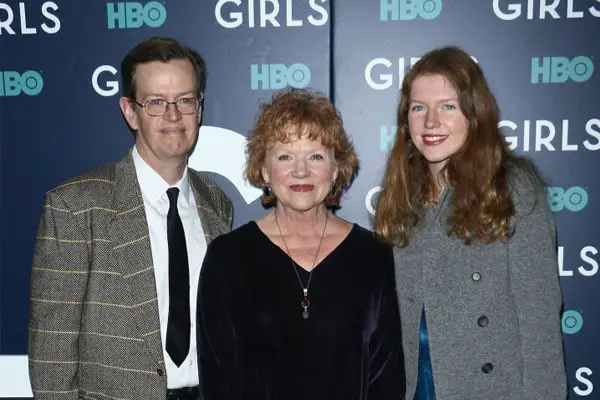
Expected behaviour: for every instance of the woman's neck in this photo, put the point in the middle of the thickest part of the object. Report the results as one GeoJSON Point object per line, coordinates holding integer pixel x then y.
{"type": "Point", "coordinates": [436, 188]}
{"type": "Point", "coordinates": [292, 221]}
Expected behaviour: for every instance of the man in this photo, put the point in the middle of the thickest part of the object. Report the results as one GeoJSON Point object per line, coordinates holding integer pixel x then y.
{"type": "Point", "coordinates": [119, 250]}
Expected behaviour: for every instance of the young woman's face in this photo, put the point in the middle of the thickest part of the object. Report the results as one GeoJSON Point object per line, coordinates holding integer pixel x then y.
{"type": "Point", "coordinates": [437, 126]}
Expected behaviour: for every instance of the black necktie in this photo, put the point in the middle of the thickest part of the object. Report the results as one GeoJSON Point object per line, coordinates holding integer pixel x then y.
{"type": "Point", "coordinates": [178, 325]}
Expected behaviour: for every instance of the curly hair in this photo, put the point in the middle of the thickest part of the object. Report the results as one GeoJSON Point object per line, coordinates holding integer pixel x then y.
{"type": "Point", "coordinates": [479, 172]}
{"type": "Point", "coordinates": [290, 115]}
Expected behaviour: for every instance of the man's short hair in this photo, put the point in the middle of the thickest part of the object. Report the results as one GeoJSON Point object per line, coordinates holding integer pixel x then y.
{"type": "Point", "coordinates": [161, 49]}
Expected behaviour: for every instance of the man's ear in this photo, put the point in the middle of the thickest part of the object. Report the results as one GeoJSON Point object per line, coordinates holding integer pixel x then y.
{"type": "Point", "coordinates": [128, 112]}
{"type": "Point", "coordinates": [201, 109]}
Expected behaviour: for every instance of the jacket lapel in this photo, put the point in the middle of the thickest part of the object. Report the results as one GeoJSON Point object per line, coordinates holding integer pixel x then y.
{"type": "Point", "coordinates": [129, 230]}
{"type": "Point", "coordinates": [209, 211]}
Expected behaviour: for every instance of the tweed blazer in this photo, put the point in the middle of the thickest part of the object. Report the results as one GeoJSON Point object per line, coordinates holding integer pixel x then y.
{"type": "Point", "coordinates": [94, 329]}
{"type": "Point", "coordinates": [493, 310]}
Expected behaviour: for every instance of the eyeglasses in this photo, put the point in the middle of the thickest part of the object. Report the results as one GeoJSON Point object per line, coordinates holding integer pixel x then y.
{"type": "Point", "coordinates": [157, 107]}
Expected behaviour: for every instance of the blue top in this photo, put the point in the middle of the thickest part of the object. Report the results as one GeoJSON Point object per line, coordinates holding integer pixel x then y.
{"type": "Point", "coordinates": [425, 390]}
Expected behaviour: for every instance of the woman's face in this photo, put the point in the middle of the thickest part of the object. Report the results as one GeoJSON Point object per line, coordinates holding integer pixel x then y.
{"type": "Point", "coordinates": [300, 173]}
{"type": "Point", "coordinates": [437, 126]}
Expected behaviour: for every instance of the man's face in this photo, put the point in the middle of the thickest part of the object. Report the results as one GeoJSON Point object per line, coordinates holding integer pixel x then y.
{"type": "Point", "coordinates": [166, 140]}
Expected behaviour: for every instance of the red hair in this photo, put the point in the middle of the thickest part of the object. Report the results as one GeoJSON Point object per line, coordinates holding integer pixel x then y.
{"type": "Point", "coordinates": [292, 114]}
{"type": "Point", "coordinates": [482, 205]}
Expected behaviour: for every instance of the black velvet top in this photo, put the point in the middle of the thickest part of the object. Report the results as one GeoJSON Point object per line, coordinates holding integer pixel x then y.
{"type": "Point", "coordinates": [255, 344]}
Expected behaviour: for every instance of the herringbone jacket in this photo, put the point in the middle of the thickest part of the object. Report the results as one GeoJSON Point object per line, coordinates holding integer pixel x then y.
{"type": "Point", "coordinates": [94, 329]}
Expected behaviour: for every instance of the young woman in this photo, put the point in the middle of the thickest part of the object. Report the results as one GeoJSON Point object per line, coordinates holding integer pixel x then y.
{"type": "Point", "coordinates": [475, 251]}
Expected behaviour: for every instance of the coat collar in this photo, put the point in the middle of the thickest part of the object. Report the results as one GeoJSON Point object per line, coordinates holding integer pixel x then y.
{"type": "Point", "coordinates": [209, 210]}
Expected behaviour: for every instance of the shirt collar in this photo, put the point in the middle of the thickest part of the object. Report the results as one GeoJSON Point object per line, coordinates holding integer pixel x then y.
{"type": "Point", "coordinates": [153, 186]}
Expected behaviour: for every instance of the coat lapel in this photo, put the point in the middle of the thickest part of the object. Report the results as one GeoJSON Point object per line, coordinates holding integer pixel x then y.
{"type": "Point", "coordinates": [129, 230]}
{"type": "Point", "coordinates": [209, 211]}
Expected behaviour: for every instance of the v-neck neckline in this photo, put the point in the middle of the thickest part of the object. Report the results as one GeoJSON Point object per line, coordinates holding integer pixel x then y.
{"type": "Point", "coordinates": [298, 266]}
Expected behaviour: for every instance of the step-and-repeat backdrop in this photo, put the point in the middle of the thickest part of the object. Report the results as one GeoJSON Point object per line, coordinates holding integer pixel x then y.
{"type": "Point", "coordinates": [59, 111]}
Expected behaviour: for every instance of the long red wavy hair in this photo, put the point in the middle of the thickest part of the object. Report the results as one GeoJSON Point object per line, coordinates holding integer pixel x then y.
{"type": "Point", "coordinates": [482, 205]}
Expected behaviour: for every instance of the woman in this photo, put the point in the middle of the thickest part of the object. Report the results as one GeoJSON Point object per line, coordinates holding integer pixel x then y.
{"type": "Point", "coordinates": [300, 304]}
{"type": "Point", "coordinates": [475, 248]}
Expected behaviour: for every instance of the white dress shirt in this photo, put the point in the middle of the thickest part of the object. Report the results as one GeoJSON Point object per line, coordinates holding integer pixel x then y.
{"type": "Point", "coordinates": [156, 205]}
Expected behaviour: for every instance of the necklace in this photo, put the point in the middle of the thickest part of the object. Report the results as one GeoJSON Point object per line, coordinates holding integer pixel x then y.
{"type": "Point", "coordinates": [305, 303]}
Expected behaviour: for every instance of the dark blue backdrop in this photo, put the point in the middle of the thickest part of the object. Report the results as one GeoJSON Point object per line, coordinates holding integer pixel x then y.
{"type": "Point", "coordinates": [59, 111]}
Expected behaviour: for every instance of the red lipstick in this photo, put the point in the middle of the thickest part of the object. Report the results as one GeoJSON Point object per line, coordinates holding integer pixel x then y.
{"type": "Point", "coordinates": [302, 188]}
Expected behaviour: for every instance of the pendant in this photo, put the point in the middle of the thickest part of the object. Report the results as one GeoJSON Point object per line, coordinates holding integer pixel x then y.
{"type": "Point", "coordinates": [305, 303]}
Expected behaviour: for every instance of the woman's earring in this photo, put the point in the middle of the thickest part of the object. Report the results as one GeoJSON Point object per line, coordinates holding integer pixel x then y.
{"type": "Point", "coordinates": [267, 190]}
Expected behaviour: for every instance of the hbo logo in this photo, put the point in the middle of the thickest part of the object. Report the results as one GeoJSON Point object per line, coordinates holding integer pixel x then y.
{"type": "Point", "coordinates": [573, 199]}
{"type": "Point", "coordinates": [405, 10]}
{"type": "Point", "coordinates": [560, 69]}
{"type": "Point", "coordinates": [571, 321]}
{"type": "Point", "coordinates": [134, 15]}
{"type": "Point", "coordinates": [278, 76]}
{"type": "Point", "coordinates": [13, 84]}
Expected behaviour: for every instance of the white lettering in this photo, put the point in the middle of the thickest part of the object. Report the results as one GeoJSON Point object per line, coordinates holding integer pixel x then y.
{"type": "Point", "coordinates": [236, 17]}
{"type": "Point", "coordinates": [385, 80]}
{"type": "Point", "coordinates": [113, 86]}
{"type": "Point", "coordinates": [511, 10]}
{"type": "Point", "coordinates": [595, 133]}
{"type": "Point", "coordinates": [24, 29]}
{"type": "Point", "coordinates": [10, 17]}
{"type": "Point", "coordinates": [250, 14]}
{"type": "Point", "coordinates": [514, 8]}
{"type": "Point", "coordinates": [289, 18]}
{"type": "Point", "coordinates": [549, 8]}
{"type": "Point", "coordinates": [561, 260]}
{"type": "Point", "coordinates": [513, 141]}
{"type": "Point", "coordinates": [322, 11]}
{"type": "Point", "coordinates": [23, 16]}
{"type": "Point", "coordinates": [50, 5]}
{"type": "Point", "coordinates": [266, 16]}
{"type": "Point", "coordinates": [572, 13]}
{"type": "Point", "coordinates": [595, 12]}
{"type": "Point", "coordinates": [369, 199]}
{"type": "Point", "coordinates": [581, 375]}
{"type": "Point", "coordinates": [546, 141]}
{"type": "Point", "coordinates": [526, 135]}
{"type": "Point", "coordinates": [546, 137]}
{"type": "Point", "coordinates": [565, 137]}
{"type": "Point", "coordinates": [584, 254]}
{"type": "Point", "coordinates": [269, 12]}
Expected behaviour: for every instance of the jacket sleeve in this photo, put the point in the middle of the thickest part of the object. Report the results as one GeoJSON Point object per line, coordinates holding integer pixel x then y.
{"type": "Point", "coordinates": [537, 294]}
{"type": "Point", "coordinates": [58, 285]}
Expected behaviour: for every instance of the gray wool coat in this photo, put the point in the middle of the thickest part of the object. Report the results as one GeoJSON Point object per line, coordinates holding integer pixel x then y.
{"type": "Point", "coordinates": [94, 328]}
{"type": "Point", "coordinates": [492, 310]}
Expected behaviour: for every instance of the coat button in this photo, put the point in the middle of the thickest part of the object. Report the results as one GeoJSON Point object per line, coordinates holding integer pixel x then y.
{"type": "Point", "coordinates": [476, 276]}
{"type": "Point", "coordinates": [487, 368]}
{"type": "Point", "coordinates": [483, 321]}
{"type": "Point", "coordinates": [160, 372]}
